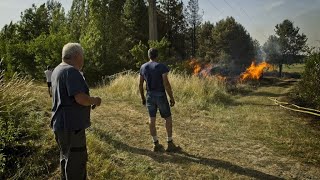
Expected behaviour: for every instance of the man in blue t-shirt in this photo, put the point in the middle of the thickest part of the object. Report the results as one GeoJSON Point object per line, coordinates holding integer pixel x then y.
{"type": "Point", "coordinates": [71, 112]}
{"type": "Point", "coordinates": [156, 77]}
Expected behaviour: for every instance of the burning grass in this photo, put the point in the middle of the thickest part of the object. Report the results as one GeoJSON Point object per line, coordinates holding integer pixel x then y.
{"type": "Point", "coordinates": [254, 72]}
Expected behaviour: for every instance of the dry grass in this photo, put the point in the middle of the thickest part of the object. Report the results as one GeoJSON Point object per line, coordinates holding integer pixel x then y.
{"type": "Point", "coordinates": [23, 125]}
{"type": "Point", "coordinates": [245, 138]}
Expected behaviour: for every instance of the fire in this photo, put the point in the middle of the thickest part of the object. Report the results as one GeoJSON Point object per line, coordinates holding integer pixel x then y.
{"type": "Point", "coordinates": [254, 71]}
{"type": "Point", "coordinates": [195, 66]}
{"type": "Point", "coordinates": [204, 70]}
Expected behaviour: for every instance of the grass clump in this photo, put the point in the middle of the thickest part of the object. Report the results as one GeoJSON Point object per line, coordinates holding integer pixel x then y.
{"type": "Point", "coordinates": [21, 125]}
{"type": "Point", "coordinates": [189, 91]}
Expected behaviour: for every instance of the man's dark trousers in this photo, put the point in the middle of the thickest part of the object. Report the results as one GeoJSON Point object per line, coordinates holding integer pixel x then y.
{"type": "Point", "coordinates": [73, 154]}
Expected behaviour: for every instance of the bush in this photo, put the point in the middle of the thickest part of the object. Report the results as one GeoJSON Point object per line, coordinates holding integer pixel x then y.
{"type": "Point", "coordinates": [140, 51]}
{"type": "Point", "coordinates": [20, 123]}
{"type": "Point", "coordinates": [308, 88]}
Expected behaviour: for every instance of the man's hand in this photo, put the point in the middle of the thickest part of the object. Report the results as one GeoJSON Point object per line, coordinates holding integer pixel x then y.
{"type": "Point", "coordinates": [172, 102]}
{"type": "Point", "coordinates": [97, 101]}
{"type": "Point", "coordinates": [143, 100]}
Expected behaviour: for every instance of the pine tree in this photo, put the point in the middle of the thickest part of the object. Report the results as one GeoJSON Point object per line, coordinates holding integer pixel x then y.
{"type": "Point", "coordinates": [194, 20]}
{"type": "Point", "coordinates": [135, 22]}
{"type": "Point", "coordinates": [174, 23]}
{"type": "Point", "coordinates": [292, 43]}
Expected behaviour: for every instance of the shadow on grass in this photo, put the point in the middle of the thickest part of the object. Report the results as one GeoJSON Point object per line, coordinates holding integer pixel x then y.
{"type": "Point", "coordinates": [181, 157]}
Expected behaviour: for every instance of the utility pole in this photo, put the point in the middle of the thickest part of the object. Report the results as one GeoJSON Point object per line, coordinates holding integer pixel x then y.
{"type": "Point", "coordinates": [153, 27]}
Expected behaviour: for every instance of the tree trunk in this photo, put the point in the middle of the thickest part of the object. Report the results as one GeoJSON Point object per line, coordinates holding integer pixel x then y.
{"type": "Point", "coordinates": [280, 69]}
{"type": "Point", "coordinates": [153, 27]}
{"type": "Point", "coordinates": [194, 40]}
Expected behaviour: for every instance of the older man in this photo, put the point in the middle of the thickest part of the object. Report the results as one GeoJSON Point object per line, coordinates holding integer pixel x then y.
{"type": "Point", "coordinates": [71, 112]}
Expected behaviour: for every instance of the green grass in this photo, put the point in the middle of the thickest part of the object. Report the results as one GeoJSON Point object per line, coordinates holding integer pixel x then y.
{"type": "Point", "coordinates": [223, 136]}
{"type": "Point", "coordinates": [294, 68]}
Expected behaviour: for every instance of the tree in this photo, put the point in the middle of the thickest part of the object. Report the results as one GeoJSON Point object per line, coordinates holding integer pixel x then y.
{"type": "Point", "coordinates": [78, 18]}
{"type": "Point", "coordinates": [194, 20]}
{"type": "Point", "coordinates": [258, 51]}
{"type": "Point", "coordinates": [34, 22]}
{"type": "Point", "coordinates": [135, 28]}
{"type": "Point", "coordinates": [292, 43]}
{"type": "Point", "coordinates": [205, 41]}
{"type": "Point", "coordinates": [57, 18]}
{"type": "Point", "coordinates": [134, 21]}
{"type": "Point", "coordinates": [231, 38]}
{"type": "Point", "coordinates": [173, 22]}
{"type": "Point", "coordinates": [272, 50]}
{"type": "Point", "coordinates": [153, 20]}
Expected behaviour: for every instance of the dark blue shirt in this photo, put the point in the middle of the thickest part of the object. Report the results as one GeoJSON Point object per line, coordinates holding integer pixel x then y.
{"type": "Point", "coordinates": [67, 114]}
{"type": "Point", "coordinates": [152, 73]}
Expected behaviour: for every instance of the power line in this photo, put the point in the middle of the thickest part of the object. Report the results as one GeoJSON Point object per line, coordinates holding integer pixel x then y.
{"type": "Point", "coordinates": [244, 12]}
{"type": "Point", "coordinates": [211, 3]}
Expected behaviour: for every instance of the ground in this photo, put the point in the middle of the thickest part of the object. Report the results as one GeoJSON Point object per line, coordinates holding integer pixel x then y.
{"type": "Point", "coordinates": [248, 138]}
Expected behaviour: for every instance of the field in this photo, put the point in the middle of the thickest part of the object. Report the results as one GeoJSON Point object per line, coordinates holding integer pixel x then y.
{"type": "Point", "coordinates": [237, 134]}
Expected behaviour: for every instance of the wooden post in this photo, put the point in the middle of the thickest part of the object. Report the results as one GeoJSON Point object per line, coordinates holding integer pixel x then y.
{"type": "Point", "coordinates": [153, 27]}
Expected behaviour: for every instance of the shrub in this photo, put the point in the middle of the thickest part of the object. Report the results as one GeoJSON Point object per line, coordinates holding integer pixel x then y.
{"type": "Point", "coordinates": [20, 123]}
{"type": "Point", "coordinates": [308, 88]}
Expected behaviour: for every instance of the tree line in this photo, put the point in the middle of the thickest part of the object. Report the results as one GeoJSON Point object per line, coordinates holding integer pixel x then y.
{"type": "Point", "coordinates": [114, 34]}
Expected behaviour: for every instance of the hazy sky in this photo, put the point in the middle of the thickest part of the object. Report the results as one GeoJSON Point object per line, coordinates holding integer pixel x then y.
{"type": "Point", "coordinates": [259, 17]}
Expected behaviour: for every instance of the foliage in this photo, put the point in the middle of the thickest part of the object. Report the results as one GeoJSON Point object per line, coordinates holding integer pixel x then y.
{"type": "Point", "coordinates": [172, 26]}
{"type": "Point", "coordinates": [232, 38]}
{"type": "Point", "coordinates": [288, 46]}
{"type": "Point", "coordinates": [205, 42]}
{"type": "Point", "coordinates": [308, 88]}
{"type": "Point", "coordinates": [20, 122]}
{"type": "Point", "coordinates": [272, 50]}
{"type": "Point", "coordinates": [194, 20]}
{"type": "Point", "coordinates": [78, 19]}
{"type": "Point", "coordinates": [111, 31]}
{"type": "Point", "coordinates": [34, 42]}
{"type": "Point", "coordinates": [258, 51]}
{"type": "Point", "coordinates": [139, 52]}
{"type": "Point", "coordinates": [163, 49]}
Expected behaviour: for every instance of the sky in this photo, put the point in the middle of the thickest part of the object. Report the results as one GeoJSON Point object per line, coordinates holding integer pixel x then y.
{"type": "Point", "coordinates": [259, 17]}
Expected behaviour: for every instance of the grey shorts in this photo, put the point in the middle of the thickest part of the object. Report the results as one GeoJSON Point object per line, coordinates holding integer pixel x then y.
{"type": "Point", "coordinates": [157, 101]}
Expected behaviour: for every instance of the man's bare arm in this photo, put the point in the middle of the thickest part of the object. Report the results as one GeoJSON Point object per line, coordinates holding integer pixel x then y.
{"type": "Point", "coordinates": [143, 98]}
{"type": "Point", "coordinates": [86, 100]}
{"type": "Point", "coordinates": [168, 88]}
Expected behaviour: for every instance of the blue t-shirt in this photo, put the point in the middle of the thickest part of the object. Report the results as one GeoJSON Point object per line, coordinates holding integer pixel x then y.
{"type": "Point", "coordinates": [152, 73]}
{"type": "Point", "coordinates": [67, 114]}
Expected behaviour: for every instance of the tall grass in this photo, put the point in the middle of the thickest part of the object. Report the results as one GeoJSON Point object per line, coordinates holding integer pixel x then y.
{"type": "Point", "coordinates": [191, 91]}
{"type": "Point", "coordinates": [21, 122]}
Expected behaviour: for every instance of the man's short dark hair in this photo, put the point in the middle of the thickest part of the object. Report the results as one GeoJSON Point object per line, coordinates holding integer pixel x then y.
{"type": "Point", "coordinates": [48, 67]}
{"type": "Point", "coordinates": [152, 53]}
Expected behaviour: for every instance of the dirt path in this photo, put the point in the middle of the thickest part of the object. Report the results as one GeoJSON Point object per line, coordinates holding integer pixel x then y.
{"type": "Point", "coordinates": [250, 138]}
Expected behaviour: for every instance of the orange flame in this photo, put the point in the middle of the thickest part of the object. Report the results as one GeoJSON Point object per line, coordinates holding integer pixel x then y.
{"type": "Point", "coordinates": [195, 65]}
{"type": "Point", "coordinates": [254, 71]}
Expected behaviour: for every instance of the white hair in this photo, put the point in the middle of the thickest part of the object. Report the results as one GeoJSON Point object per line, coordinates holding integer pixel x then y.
{"type": "Point", "coordinates": [70, 50]}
